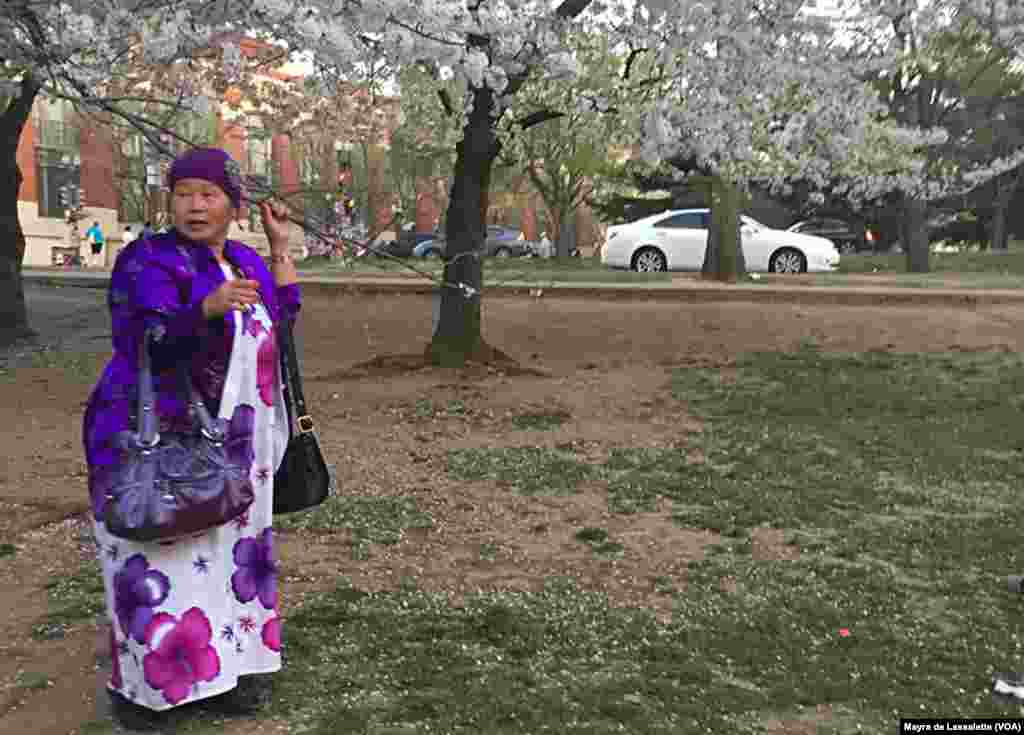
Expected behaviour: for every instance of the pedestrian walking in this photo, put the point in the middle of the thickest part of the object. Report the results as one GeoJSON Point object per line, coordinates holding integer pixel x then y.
{"type": "Point", "coordinates": [196, 617]}
{"type": "Point", "coordinates": [94, 236]}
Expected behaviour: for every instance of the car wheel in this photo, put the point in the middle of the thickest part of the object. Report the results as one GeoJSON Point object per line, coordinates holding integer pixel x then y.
{"type": "Point", "coordinates": [787, 260]}
{"type": "Point", "coordinates": [502, 253]}
{"type": "Point", "coordinates": [649, 260]}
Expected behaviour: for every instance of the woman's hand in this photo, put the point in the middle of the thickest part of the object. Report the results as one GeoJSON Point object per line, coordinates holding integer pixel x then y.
{"type": "Point", "coordinates": [276, 226]}
{"type": "Point", "coordinates": [233, 295]}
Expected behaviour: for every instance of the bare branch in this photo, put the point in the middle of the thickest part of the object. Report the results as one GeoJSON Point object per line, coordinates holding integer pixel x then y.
{"type": "Point", "coordinates": [633, 54]}
{"type": "Point", "coordinates": [536, 118]}
{"type": "Point", "coordinates": [446, 102]}
{"type": "Point", "coordinates": [572, 8]}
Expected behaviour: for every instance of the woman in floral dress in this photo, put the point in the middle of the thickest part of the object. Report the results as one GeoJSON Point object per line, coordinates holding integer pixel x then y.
{"type": "Point", "coordinates": [196, 617]}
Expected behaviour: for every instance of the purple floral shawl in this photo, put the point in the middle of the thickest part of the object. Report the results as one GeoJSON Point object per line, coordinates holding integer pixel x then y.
{"type": "Point", "coordinates": [161, 282]}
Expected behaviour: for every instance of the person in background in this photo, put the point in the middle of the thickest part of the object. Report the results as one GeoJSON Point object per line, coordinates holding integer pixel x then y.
{"type": "Point", "coordinates": [94, 236]}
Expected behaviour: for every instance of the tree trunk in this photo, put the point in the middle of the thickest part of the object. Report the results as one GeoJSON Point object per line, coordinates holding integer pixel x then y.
{"type": "Point", "coordinates": [1006, 187]}
{"type": "Point", "coordinates": [566, 235]}
{"type": "Point", "coordinates": [915, 235]}
{"type": "Point", "coordinates": [458, 336]}
{"type": "Point", "coordinates": [13, 313]}
{"type": "Point", "coordinates": [723, 258]}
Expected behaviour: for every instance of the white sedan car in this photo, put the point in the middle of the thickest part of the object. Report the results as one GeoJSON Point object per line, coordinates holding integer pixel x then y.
{"type": "Point", "coordinates": [676, 241]}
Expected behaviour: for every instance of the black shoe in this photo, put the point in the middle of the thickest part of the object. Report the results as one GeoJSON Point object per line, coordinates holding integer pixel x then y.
{"type": "Point", "coordinates": [250, 696]}
{"type": "Point", "coordinates": [1008, 688]}
{"type": "Point", "coordinates": [135, 717]}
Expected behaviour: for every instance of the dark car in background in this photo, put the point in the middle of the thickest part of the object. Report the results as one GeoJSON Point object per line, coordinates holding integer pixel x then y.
{"type": "Point", "coordinates": [847, 236]}
{"type": "Point", "coordinates": [402, 247]}
{"type": "Point", "coordinates": [501, 242]}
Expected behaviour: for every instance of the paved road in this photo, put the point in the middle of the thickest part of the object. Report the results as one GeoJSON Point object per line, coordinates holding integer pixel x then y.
{"type": "Point", "coordinates": [66, 318]}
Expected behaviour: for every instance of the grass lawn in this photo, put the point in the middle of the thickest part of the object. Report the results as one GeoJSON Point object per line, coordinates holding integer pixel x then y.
{"type": "Point", "coordinates": [896, 476]}
{"type": "Point", "coordinates": [949, 270]}
{"type": "Point", "coordinates": [496, 270]}
{"type": "Point", "coordinates": [964, 269]}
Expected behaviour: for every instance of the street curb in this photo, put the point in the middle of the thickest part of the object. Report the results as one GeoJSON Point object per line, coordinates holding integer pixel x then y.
{"type": "Point", "coordinates": [672, 292]}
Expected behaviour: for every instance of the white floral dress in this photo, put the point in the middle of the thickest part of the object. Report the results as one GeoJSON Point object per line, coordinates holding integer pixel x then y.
{"type": "Point", "coordinates": [190, 616]}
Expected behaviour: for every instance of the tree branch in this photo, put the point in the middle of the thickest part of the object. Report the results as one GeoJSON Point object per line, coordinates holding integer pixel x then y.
{"type": "Point", "coordinates": [19, 109]}
{"type": "Point", "coordinates": [536, 118]}
{"type": "Point", "coordinates": [629, 62]}
{"type": "Point", "coordinates": [446, 102]}
{"type": "Point", "coordinates": [571, 8]}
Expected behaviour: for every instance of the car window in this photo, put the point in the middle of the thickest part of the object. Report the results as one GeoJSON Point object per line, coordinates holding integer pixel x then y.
{"type": "Point", "coordinates": [833, 224]}
{"type": "Point", "coordinates": [686, 220]}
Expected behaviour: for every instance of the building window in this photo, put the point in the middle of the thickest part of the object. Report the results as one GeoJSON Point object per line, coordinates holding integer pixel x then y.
{"type": "Point", "coordinates": [58, 164]}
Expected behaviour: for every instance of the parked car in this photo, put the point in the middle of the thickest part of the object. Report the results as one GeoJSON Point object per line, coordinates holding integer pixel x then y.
{"type": "Point", "coordinates": [403, 246]}
{"type": "Point", "coordinates": [492, 248]}
{"type": "Point", "coordinates": [677, 239]}
{"type": "Point", "coordinates": [500, 232]}
{"type": "Point", "coordinates": [848, 237]}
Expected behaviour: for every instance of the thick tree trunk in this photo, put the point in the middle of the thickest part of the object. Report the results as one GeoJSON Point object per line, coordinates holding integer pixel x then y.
{"type": "Point", "coordinates": [723, 258]}
{"type": "Point", "coordinates": [915, 235]}
{"type": "Point", "coordinates": [566, 235]}
{"type": "Point", "coordinates": [1006, 187]}
{"type": "Point", "coordinates": [458, 336]}
{"type": "Point", "coordinates": [13, 313]}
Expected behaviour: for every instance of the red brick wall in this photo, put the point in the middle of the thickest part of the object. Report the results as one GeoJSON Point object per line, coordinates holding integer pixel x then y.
{"type": "Point", "coordinates": [233, 140]}
{"type": "Point", "coordinates": [97, 172]}
{"type": "Point", "coordinates": [428, 209]}
{"type": "Point", "coordinates": [26, 157]}
{"type": "Point", "coordinates": [280, 152]}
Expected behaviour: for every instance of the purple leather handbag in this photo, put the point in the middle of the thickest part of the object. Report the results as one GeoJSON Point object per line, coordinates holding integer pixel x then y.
{"type": "Point", "coordinates": [177, 483]}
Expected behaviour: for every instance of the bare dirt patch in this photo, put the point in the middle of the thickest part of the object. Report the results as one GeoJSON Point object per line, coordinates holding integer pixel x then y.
{"type": "Point", "coordinates": [387, 425]}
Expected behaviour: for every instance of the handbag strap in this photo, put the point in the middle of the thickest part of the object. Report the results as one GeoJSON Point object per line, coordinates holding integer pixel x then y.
{"type": "Point", "coordinates": [149, 436]}
{"type": "Point", "coordinates": [292, 380]}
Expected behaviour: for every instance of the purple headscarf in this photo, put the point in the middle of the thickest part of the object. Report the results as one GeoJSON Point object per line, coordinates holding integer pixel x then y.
{"type": "Point", "coordinates": [209, 164]}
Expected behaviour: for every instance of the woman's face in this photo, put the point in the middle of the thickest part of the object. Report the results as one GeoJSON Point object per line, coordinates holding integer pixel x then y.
{"type": "Point", "coordinates": [202, 211]}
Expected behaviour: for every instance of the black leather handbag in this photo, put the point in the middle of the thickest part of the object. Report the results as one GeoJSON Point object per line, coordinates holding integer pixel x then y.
{"type": "Point", "coordinates": [177, 483]}
{"type": "Point", "coordinates": [302, 480]}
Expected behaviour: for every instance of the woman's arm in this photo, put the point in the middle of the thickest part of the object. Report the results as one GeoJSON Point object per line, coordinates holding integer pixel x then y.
{"type": "Point", "coordinates": [283, 268]}
{"type": "Point", "coordinates": [286, 282]}
{"type": "Point", "coordinates": [277, 228]}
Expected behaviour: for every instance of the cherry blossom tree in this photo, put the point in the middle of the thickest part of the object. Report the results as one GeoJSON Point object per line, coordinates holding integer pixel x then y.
{"type": "Point", "coordinates": [491, 48]}
{"type": "Point", "coordinates": [933, 62]}
{"type": "Point", "coordinates": [750, 95]}
{"type": "Point", "coordinates": [566, 158]}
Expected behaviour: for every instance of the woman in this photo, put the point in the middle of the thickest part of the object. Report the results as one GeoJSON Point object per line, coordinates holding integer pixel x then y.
{"type": "Point", "coordinates": [196, 617]}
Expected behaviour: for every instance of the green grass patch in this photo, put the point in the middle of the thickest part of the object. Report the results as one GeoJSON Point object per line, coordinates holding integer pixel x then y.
{"type": "Point", "coordinates": [560, 661]}
{"type": "Point", "coordinates": [540, 420]}
{"type": "Point", "coordinates": [1012, 263]}
{"type": "Point", "coordinates": [898, 476]}
{"type": "Point", "coordinates": [32, 680]}
{"type": "Point", "coordinates": [527, 470]}
{"type": "Point", "coordinates": [73, 366]}
{"type": "Point", "coordinates": [371, 520]}
{"type": "Point", "coordinates": [598, 541]}
{"type": "Point", "coordinates": [535, 271]}
{"type": "Point", "coordinates": [73, 599]}
{"type": "Point", "coordinates": [7, 550]}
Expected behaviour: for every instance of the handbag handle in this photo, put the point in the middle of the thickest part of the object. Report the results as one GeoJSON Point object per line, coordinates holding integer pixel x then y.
{"type": "Point", "coordinates": [149, 437]}
{"type": "Point", "coordinates": [295, 401]}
